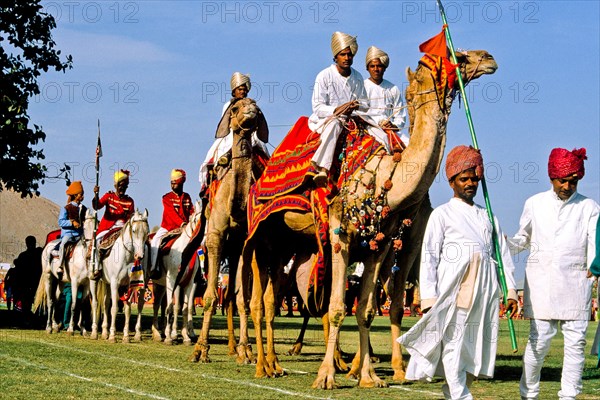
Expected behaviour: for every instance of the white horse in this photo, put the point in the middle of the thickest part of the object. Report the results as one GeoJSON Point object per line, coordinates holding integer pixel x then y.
{"type": "Point", "coordinates": [128, 248]}
{"type": "Point", "coordinates": [174, 291]}
{"type": "Point", "coordinates": [75, 272]}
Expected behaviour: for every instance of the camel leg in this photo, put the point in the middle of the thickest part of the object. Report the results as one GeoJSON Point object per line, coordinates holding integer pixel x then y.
{"type": "Point", "coordinates": [244, 350]}
{"type": "Point", "coordinates": [270, 302]}
{"type": "Point", "coordinates": [257, 311]}
{"type": "Point", "coordinates": [213, 243]}
{"type": "Point", "coordinates": [340, 364]}
{"type": "Point", "coordinates": [365, 313]}
{"type": "Point", "coordinates": [296, 348]}
{"type": "Point", "coordinates": [337, 309]}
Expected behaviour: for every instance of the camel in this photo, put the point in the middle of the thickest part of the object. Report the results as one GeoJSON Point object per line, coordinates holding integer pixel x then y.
{"type": "Point", "coordinates": [401, 181]}
{"type": "Point", "coordinates": [227, 223]}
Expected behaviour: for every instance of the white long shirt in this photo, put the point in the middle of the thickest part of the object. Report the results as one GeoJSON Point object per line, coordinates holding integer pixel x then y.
{"type": "Point", "coordinates": [385, 102]}
{"type": "Point", "coordinates": [458, 269]}
{"type": "Point", "coordinates": [222, 146]}
{"type": "Point", "coordinates": [561, 238]}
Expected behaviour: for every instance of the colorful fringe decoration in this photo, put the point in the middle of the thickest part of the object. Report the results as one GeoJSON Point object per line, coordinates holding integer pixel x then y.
{"type": "Point", "coordinates": [136, 280]}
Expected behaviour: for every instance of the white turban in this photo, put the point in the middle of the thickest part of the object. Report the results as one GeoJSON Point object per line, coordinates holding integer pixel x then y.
{"type": "Point", "coordinates": [239, 79]}
{"type": "Point", "coordinates": [373, 53]}
{"type": "Point", "coordinates": [340, 40]}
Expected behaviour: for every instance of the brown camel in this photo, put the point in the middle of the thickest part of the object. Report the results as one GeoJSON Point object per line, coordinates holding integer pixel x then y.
{"type": "Point", "coordinates": [402, 184]}
{"type": "Point", "coordinates": [227, 223]}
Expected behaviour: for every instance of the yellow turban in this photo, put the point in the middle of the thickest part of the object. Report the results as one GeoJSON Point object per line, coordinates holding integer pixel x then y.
{"type": "Point", "coordinates": [178, 175]}
{"type": "Point", "coordinates": [340, 40]}
{"type": "Point", "coordinates": [239, 79]}
{"type": "Point", "coordinates": [75, 188]}
{"type": "Point", "coordinates": [121, 175]}
{"type": "Point", "coordinates": [373, 53]}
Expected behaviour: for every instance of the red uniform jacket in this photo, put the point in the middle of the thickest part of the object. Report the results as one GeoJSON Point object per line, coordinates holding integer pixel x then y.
{"type": "Point", "coordinates": [117, 208]}
{"type": "Point", "coordinates": [176, 210]}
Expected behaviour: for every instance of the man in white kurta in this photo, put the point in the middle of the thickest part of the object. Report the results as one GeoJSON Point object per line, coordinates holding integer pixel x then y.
{"type": "Point", "coordinates": [385, 99]}
{"type": "Point", "coordinates": [339, 91]}
{"type": "Point", "coordinates": [457, 337]}
{"type": "Point", "coordinates": [558, 227]}
{"type": "Point", "coordinates": [240, 86]}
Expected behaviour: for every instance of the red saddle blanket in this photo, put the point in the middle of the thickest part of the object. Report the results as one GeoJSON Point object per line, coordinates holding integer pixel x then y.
{"type": "Point", "coordinates": [284, 186]}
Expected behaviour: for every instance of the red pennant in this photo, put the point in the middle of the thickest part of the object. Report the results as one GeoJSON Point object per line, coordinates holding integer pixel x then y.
{"type": "Point", "coordinates": [436, 45]}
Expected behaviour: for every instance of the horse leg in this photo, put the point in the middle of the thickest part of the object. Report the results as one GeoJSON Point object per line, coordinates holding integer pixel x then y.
{"type": "Point", "coordinates": [93, 287]}
{"type": "Point", "coordinates": [74, 288]}
{"type": "Point", "coordinates": [159, 293]}
{"type": "Point", "coordinates": [114, 295]}
{"type": "Point", "coordinates": [169, 313]}
{"type": "Point", "coordinates": [140, 309]}
{"type": "Point", "coordinates": [175, 310]}
{"type": "Point", "coordinates": [49, 302]}
{"type": "Point", "coordinates": [186, 312]}
{"type": "Point", "coordinates": [127, 312]}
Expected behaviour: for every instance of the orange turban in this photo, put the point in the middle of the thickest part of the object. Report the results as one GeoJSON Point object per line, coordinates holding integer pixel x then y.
{"type": "Point", "coordinates": [563, 163]}
{"type": "Point", "coordinates": [462, 158]}
{"type": "Point", "coordinates": [121, 175]}
{"type": "Point", "coordinates": [75, 188]}
{"type": "Point", "coordinates": [178, 176]}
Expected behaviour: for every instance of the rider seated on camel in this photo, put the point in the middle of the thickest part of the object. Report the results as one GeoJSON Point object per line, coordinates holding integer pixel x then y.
{"type": "Point", "coordinates": [119, 208]}
{"type": "Point", "coordinates": [70, 221]}
{"type": "Point", "coordinates": [339, 91]}
{"type": "Point", "coordinates": [385, 98]}
{"type": "Point", "coordinates": [219, 153]}
{"type": "Point", "coordinates": [177, 208]}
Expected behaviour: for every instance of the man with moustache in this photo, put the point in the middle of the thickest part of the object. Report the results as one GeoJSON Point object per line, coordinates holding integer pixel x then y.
{"type": "Point", "coordinates": [457, 337]}
{"type": "Point", "coordinates": [558, 226]}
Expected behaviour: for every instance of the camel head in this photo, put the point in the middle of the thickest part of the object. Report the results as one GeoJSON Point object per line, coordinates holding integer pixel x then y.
{"type": "Point", "coordinates": [243, 117]}
{"type": "Point", "coordinates": [421, 84]}
{"type": "Point", "coordinates": [475, 63]}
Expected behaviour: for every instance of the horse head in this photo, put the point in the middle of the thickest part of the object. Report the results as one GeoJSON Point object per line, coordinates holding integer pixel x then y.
{"type": "Point", "coordinates": [137, 230]}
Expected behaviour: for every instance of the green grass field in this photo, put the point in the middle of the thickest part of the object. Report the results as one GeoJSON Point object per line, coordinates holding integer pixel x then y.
{"type": "Point", "coordinates": [37, 365]}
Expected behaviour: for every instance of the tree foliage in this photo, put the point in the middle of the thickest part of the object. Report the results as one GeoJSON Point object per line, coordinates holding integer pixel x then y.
{"type": "Point", "coordinates": [26, 49]}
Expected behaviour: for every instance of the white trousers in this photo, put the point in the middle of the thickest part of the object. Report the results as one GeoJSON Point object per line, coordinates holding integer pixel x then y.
{"type": "Point", "coordinates": [458, 380]}
{"type": "Point", "coordinates": [154, 245]}
{"type": "Point", "coordinates": [330, 129]}
{"type": "Point", "coordinates": [540, 336]}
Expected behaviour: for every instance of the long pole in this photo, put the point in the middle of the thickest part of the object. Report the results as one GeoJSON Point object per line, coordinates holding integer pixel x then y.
{"type": "Point", "coordinates": [488, 205]}
{"type": "Point", "coordinates": [98, 155]}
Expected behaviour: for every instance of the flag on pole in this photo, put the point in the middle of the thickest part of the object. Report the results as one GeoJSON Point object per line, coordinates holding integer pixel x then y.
{"type": "Point", "coordinates": [99, 145]}
{"type": "Point", "coordinates": [436, 45]}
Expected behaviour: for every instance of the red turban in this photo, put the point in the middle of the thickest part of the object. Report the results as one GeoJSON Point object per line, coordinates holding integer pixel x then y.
{"type": "Point", "coordinates": [563, 163]}
{"type": "Point", "coordinates": [462, 158]}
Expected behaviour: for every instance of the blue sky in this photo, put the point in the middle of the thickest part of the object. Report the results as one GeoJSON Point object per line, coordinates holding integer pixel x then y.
{"type": "Point", "coordinates": [156, 74]}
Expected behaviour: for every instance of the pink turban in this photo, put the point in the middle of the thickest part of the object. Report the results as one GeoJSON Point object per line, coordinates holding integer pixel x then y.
{"type": "Point", "coordinates": [462, 158]}
{"type": "Point", "coordinates": [563, 163]}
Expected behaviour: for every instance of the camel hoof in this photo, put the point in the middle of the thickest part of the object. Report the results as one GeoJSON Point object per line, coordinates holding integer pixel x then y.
{"type": "Point", "coordinates": [352, 375]}
{"type": "Point", "coordinates": [370, 383]}
{"type": "Point", "coordinates": [399, 376]}
{"type": "Point", "coordinates": [324, 383]}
